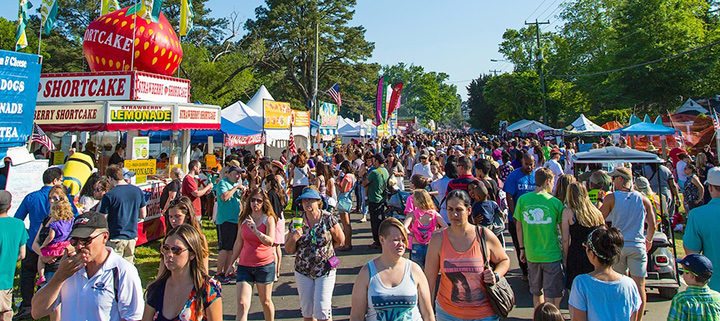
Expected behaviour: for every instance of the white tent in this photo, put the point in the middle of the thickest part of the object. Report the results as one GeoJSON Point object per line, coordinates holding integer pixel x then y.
{"type": "Point", "coordinates": [256, 102]}
{"type": "Point", "coordinates": [528, 127]}
{"type": "Point", "coordinates": [348, 128]}
{"type": "Point", "coordinates": [691, 107]}
{"type": "Point", "coordinates": [582, 125]}
{"type": "Point", "coordinates": [239, 111]}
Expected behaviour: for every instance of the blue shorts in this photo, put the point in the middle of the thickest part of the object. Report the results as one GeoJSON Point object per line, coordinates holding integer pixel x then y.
{"type": "Point", "coordinates": [260, 274]}
{"type": "Point", "coordinates": [418, 254]}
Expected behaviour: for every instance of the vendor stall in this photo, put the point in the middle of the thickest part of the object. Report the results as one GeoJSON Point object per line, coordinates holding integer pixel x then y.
{"type": "Point", "coordinates": [585, 127]}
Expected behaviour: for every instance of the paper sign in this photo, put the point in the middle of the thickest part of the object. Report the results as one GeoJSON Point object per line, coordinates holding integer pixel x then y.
{"type": "Point", "coordinates": [141, 147]}
{"type": "Point", "coordinates": [142, 168]}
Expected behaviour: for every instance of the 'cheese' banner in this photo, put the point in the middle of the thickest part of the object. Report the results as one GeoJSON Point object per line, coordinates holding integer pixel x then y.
{"type": "Point", "coordinates": [19, 79]}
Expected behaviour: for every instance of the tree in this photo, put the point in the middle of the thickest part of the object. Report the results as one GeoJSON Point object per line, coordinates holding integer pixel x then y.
{"type": "Point", "coordinates": [288, 29]}
{"type": "Point", "coordinates": [516, 96]}
{"type": "Point", "coordinates": [482, 114]}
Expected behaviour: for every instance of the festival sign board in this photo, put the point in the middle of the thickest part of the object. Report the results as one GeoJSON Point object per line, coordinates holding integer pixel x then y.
{"type": "Point", "coordinates": [19, 78]}
{"type": "Point", "coordinates": [237, 140]}
{"type": "Point", "coordinates": [197, 115]}
{"type": "Point", "coordinates": [63, 117]}
{"type": "Point", "coordinates": [140, 147]}
{"type": "Point", "coordinates": [277, 114]}
{"type": "Point", "coordinates": [112, 86]}
{"type": "Point", "coordinates": [301, 118]}
{"type": "Point", "coordinates": [146, 116]}
{"type": "Point", "coordinates": [328, 115]}
{"type": "Point", "coordinates": [142, 168]}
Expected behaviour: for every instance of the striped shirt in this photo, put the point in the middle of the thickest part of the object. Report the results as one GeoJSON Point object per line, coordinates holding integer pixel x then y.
{"type": "Point", "coordinates": [695, 303]}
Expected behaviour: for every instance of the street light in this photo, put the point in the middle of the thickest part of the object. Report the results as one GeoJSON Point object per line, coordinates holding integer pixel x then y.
{"type": "Point", "coordinates": [499, 60]}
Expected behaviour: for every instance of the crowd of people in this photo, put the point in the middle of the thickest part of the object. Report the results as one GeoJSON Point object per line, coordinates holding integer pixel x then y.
{"type": "Point", "coordinates": [578, 231]}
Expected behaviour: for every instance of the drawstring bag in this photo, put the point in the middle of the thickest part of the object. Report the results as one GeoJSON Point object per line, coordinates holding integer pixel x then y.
{"type": "Point", "coordinates": [500, 294]}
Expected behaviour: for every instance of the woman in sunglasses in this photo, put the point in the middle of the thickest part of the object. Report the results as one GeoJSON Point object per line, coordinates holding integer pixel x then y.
{"type": "Point", "coordinates": [254, 248]}
{"type": "Point", "coordinates": [591, 292]}
{"type": "Point", "coordinates": [182, 212]}
{"type": "Point", "coordinates": [183, 291]}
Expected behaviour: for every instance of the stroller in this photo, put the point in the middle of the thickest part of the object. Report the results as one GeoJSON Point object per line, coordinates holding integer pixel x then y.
{"type": "Point", "coordinates": [396, 205]}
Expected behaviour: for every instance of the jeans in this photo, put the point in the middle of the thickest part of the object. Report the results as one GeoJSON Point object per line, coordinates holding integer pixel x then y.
{"type": "Point", "coordinates": [418, 254]}
{"type": "Point", "coordinates": [513, 235]}
{"type": "Point", "coordinates": [28, 271]}
{"type": "Point", "coordinates": [377, 215]}
{"type": "Point", "coordinates": [360, 197]}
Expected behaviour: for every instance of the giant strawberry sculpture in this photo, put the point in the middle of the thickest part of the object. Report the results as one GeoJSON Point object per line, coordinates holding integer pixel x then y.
{"type": "Point", "coordinates": [109, 44]}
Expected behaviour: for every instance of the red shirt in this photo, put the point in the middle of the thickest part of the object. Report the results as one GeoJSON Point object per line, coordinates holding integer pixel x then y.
{"type": "Point", "coordinates": [189, 185]}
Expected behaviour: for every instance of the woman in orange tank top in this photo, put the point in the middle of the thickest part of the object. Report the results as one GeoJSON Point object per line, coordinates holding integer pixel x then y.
{"type": "Point", "coordinates": [456, 255]}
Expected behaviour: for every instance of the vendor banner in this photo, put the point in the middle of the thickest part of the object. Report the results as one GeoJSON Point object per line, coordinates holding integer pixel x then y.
{"type": "Point", "coordinates": [117, 85]}
{"type": "Point", "coordinates": [237, 141]}
{"type": "Point", "coordinates": [328, 115]}
{"type": "Point", "coordinates": [63, 117]}
{"type": "Point", "coordinates": [139, 116]}
{"type": "Point", "coordinates": [301, 118]}
{"type": "Point", "coordinates": [142, 168]}
{"type": "Point", "coordinates": [19, 78]}
{"type": "Point", "coordinates": [199, 116]}
{"type": "Point", "coordinates": [277, 114]}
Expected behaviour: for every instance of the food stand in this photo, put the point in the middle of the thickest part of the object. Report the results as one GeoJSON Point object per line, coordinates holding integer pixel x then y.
{"type": "Point", "coordinates": [127, 102]}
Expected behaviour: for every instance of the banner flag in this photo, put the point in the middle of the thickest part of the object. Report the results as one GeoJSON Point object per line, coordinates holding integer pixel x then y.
{"type": "Point", "coordinates": [108, 6]}
{"type": "Point", "coordinates": [186, 17]}
{"type": "Point", "coordinates": [48, 12]}
{"type": "Point", "coordinates": [20, 36]}
{"type": "Point", "coordinates": [379, 102]}
{"type": "Point", "coordinates": [395, 98]}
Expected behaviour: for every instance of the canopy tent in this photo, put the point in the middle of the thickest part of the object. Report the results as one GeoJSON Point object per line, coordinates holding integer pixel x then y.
{"type": "Point", "coordinates": [647, 129]}
{"type": "Point", "coordinates": [612, 125]}
{"type": "Point", "coordinates": [691, 107]}
{"type": "Point", "coordinates": [615, 155]}
{"type": "Point", "coordinates": [349, 128]}
{"type": "Point", "coordinates": [256, 102]}
{"type": "Point", "coordinates": [582, 125]}
{"type": "Point", "coordinates": [241, 114]}
{"type": "Point", "coordinates": [528, 127]}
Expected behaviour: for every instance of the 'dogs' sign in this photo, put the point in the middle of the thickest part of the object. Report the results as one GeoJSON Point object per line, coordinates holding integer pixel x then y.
{"type": "Point", "coordinates": [113, 40]}
{"type": "Point", "coordinates": [19, 79]}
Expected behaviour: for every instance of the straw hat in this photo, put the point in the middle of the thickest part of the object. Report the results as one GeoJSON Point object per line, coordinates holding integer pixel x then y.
{"type": "Point", "coordinates": [651, 148]}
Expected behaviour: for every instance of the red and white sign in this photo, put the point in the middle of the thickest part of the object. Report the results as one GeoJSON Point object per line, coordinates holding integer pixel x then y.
{"type": "Point", "coordinates": [112, 86]}
{"type": "Point", "coordinates": [236, 141]}
{"type": "Point", "coordinates": [85, 117]}
{"type": "Point", "coordinates": [197, 115]}
{"type": "Point", "coordinates": [152, 87]}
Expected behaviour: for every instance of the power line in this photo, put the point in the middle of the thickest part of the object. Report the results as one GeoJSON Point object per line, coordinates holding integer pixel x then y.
{"type": "Point", "coordinates": [712, 44]}
{"type": "Point", "coordinates": [536, 9]}
{"type": "Point", "coordinates": [548, 8]}
{"type": "Point", "coordinates": [553, 12]}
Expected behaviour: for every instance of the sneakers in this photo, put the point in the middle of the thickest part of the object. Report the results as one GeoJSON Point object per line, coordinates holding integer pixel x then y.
{"type": "Point", "coordinates": [23, 314]}
{"type": "Point", "coordinates": [40, 281]}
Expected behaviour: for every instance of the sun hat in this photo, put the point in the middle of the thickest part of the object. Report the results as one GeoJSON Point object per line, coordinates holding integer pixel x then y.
{"type": "Point", "coordinates": [309, 193]}
{"type": "Point", "coordinates": [623, 172]}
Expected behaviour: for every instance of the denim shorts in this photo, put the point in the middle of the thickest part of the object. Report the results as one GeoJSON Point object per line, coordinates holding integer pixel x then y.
{"type": "Point", "coordinates": [418, 254]}
{"type": "Point", "coordinates": [260, 274]}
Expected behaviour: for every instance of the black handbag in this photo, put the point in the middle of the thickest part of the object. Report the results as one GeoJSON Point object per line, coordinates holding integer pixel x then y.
{"type": "Point", "coordinates": [500, 294]}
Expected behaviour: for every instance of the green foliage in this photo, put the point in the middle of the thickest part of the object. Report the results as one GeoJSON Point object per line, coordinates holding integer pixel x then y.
{"type": "Point", "coordinates": [288, 30]}
{"type": "Point", "coordinates": [426, 95]}
{"type": "Point", "coordinates": [482, 114]}
{"type": "Point", "coordinates": [515, 96]}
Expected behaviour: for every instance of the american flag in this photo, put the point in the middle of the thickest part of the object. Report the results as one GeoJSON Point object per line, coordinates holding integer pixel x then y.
{"type": "Point", "coordinates": [715, 121]}
{"type": "Point", "coordinates": [291, 144]}
{"type": "Point", "coordinates": [39, 137]}
{"type": "Point", "coordinates": [334, 92]}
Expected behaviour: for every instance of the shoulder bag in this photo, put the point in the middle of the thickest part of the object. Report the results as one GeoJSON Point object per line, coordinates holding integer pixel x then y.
{"type": "Point", "coordinates": [500, 294]}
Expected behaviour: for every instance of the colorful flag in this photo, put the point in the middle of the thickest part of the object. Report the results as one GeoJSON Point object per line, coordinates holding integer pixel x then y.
{"type": "Point", "coordinates": [334, 92]}
{"type": "Point", "coordinates": [150, 9]}
{"type": "Point", "coordinates": [379, 102]}
{"type": "Point", "coordinates": [48, 12]}
{"type": "Point", "coordinates": [291, 144]}
{"type": "Point", "coordinates": [39, 137]}
{"type": "Point", "coordinates": [186, 17]}
{"type": "Point", "coordinates": [108, 6]}
{"type": "Point", "coordinates": [20, 36]}
{"type": "Point", "coordinates": [716, 122]}
{"type": "Point", "coordinates": [395, 98]}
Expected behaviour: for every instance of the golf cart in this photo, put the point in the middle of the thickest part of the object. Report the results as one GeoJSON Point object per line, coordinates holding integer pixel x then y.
{"type": "Point", "coordinates": [662, 264]}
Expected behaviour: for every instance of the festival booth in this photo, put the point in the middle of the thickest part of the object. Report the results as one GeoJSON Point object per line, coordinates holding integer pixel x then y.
{"type": "Point", "coordinates": [695, 122]}
{"type": "Point", "coordinates": [301, 129]}
{"type": "Point", "coordinates": [585, 127]}
{"type": "Point", "coordinates": [348, 130]}
{"type": "Point", "coordinates": [277, 121]}
{"type": "Point", "coordinates": [130, 89]}
{"type": "Point", "coordinates": [525, 128]}
{"type": "Point", "coordinates": [643, 132]}
{"type": "Point", "coordinates": [612, 125]}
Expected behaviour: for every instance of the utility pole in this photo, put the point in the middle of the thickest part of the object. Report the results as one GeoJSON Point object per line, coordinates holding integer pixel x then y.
{"type": "Point", "coordinates": [495, 71]}
{"type": "Point", "coordinates": [317, 59]}
{"type": "Point", "coordinates": [541, 71]}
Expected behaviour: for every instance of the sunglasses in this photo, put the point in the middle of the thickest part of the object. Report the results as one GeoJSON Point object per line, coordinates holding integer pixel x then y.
{"type": "Point", "coordinates": [75, 241]}
{"type": "Point", "coordinates": [175, 250]}
{"type": "Point", "coordinates": [54, 199]}
{"type": "Point", "coordinates": [256, 200]}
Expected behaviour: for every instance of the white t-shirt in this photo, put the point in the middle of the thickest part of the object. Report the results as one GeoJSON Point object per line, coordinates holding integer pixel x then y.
{"type": "Point", "coordinates": [94, 299]}
{"type": "Point", "coordinates": [681, 171]}
{"type": "Point", "coordinates": [592, 295]}
{"type": "Point", "coordinates": [421, 169]}
{"type": "Point", "coordinates": [300, 176]}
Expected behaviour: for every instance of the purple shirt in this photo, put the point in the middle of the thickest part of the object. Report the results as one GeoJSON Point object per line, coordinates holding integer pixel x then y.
{"type": "Point", "coordinates": [62, 230]}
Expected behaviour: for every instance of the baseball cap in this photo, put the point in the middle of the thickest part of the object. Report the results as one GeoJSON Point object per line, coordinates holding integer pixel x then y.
{"type": "Point", "coordinates": [555, 151]}
{"type": "Point", "coordinates": [698, 264]}
{"type": "Point", "coordinates": [5, 199]}
{"type": "Point", "coordinates": [623, 172]}
{"type": "Point", "coordinates": [87, 223]}
{"type": "Point", "coordinates": [713, 176]}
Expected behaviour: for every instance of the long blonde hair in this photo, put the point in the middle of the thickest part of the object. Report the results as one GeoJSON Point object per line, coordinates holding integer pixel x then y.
{"type": "Point", "coordinates": [578, 201]}
{"type": "Point", "coordinates": [196, 245]}
{"type": "Point", "coordinates": [423, 200]}
{"type": "Point", "coordinates": [267, 208]}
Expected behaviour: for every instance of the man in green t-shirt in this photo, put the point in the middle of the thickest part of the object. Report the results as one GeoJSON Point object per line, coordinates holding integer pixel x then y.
{"type": "Point", "coordinates": [228, 192]}
{"type": "Point", "coordinates": [13, 237]}
{"type": "Point", "coordinates": [539, 214]}
{"type": "Point", "coordinates": [376, 183]}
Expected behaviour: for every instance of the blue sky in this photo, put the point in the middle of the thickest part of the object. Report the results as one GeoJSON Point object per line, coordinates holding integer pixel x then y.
{"type": "Point", "coordinates": [458, 37]}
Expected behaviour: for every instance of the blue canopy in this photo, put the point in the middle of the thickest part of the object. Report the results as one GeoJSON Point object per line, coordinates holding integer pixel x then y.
{"type": "Point", "coordinates": [314, 123]}
{"type": "Point", "coordinates": [200, 136]}
{"type": "Point", "coordinates": [648, 129]}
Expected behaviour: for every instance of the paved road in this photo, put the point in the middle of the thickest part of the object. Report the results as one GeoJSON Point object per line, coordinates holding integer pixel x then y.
{"type": "Point", "coordinates": [287, 304]}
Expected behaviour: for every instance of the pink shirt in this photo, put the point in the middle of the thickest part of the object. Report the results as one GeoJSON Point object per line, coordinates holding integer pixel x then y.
{"type": "Point", "coordinates": [254, 253]}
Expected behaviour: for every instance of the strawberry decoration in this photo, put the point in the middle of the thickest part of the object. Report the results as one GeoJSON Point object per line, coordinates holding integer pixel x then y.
{"type": "Point", "coordinates": [109, 44]}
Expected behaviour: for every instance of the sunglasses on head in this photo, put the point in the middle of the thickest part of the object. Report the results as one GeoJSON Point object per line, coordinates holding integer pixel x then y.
{"type": "Point", "coordinates": [75, 241]}
{"type": "Point", "coordinates": [175, 250]}
{"type": "Point", "coordinates": [54, 199]}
